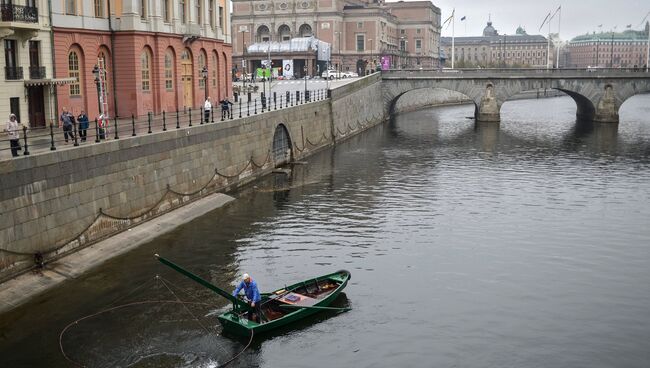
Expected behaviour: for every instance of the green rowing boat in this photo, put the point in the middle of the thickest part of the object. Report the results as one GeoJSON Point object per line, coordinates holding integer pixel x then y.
{"type": "Point", "coordinates": [280, 307]}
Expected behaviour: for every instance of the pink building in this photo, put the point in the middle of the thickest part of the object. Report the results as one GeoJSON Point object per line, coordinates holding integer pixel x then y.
{"type": "Point", "coordinates": [157, 55]}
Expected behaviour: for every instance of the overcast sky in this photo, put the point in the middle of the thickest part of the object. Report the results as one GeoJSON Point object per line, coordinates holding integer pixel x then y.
{"type": "Point", "coordinates": [578, 17]}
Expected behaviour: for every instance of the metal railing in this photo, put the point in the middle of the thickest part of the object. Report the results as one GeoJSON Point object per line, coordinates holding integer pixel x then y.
{"type": "Point", "coordinates": [52, 138]}
{"type": "Point", "coordinates": [18, 13]}
{"type": "Point", "coordinates": [36, 72]}
{"type": "Point", "coordinates": [13, 72]}
{"type": "Point", "coordinates": [518, 72]}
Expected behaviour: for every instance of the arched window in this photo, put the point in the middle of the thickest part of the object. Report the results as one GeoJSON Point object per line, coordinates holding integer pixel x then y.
{"type": "Point", "coordinates": [145, 71]}
{"type": "Point", "coordinates": [263, 34]}
{"type": "Point", "coordinates": [73, 72]}
{"type": "Point", "coordinates": [169, 70]}
{"type": "Point", "coordinates": [305, 30]}
{"type": "Point", "coordinates": [202, 65]}
{"type": "Point", "coordinates": [284, 33]}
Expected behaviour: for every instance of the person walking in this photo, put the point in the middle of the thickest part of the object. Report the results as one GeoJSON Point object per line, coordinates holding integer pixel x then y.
{"type": "Point", "coordinates": [207, 109]}
{"type": "Point", "coordinates": [225, 108]}
{"type": "Point", "coordinates": [67, 119]}
{"type": "Point", "coordinates": [82, 119]}
{"type": "Point", "coordinates": [13, 131]}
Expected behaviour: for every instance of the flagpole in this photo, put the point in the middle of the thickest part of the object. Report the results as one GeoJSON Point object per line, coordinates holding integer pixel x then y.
{"type": "Point", "coordinates": [548, 47]}
{"type": "Point", "coordinates": [453, 55]}
{"type": "Point", "coordinates": [559, 25]}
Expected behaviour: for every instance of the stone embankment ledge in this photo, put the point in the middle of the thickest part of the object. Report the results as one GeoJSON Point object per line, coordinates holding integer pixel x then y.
{"type": "Point", "coordinates": [57, 203]}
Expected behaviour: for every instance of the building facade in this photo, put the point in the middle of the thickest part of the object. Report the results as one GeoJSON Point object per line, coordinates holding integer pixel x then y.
{"type": "Point", "coordinates": [626, 49]}
{"type": "Point", "coordinates": [493, 50]}
{"type": "Point", "coordinates": [361, 33]}
{"type": "Point", "coordinates": [27, 86]}
{"type": "Point", "coordinates": [152, 55]}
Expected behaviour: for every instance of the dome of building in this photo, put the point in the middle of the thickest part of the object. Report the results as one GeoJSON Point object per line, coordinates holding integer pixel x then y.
{"type": "Point", "coordinates": [520, 31]}
{"type": "Point", "coordinates": [489, 30]}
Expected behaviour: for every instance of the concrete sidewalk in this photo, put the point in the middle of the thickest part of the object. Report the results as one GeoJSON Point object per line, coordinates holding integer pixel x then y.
{"type": "Point", "coordinates": [25, 287]}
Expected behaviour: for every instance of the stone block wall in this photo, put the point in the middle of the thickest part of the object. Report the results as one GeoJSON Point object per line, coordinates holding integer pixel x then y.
{"type": "Point", "coordinates": [357, 106]}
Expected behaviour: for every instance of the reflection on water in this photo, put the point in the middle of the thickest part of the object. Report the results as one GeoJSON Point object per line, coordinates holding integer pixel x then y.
{"type": "Point", "coordinates": [519, 244]}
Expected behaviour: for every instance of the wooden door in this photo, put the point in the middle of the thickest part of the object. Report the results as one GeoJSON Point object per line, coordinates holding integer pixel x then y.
{"type": "Point", "coordinates": [36, 106]}
{"type": "Point", "coordinates": [187, 79]}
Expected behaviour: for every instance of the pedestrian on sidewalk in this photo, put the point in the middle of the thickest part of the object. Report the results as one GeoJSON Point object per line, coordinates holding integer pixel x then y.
{"type": "Point", "coordinates": [67, 120]}
{"type": "Point", "coordinates": [13, 131]}
{"type": "Point", "coordinates": [207, 108]}
{"type": "Point", "coordinates": [82, 119]}
{"type": "Point", "coordinates": [225, 108]}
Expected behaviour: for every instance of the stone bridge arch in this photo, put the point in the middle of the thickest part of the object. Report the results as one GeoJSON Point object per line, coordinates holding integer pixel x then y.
{"type": "Point", "coordinates": [598, 98]}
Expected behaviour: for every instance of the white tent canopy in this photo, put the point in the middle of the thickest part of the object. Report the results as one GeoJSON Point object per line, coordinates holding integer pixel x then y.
{"type": "Point", "coordinates": [300, 44]}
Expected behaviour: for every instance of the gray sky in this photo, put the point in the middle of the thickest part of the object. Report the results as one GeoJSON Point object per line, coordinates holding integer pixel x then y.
{"type": "Point", "coordinates": [578, 17]}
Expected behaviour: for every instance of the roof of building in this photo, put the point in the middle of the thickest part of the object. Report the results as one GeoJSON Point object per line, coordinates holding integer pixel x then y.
{"type": "Point", "coordinates": [526, 38]}
{"type": "Point", "coordinates": [489, 30]}
{"type": "Point", "coordinates": [628, 35]}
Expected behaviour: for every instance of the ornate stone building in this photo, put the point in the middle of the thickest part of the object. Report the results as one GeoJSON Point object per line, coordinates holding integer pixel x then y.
{"type": "Point", "coordinates": [494, 50]}
{"type": "Point", "coordinates": [609, 49]}
{"type": "Point", "coordinates": [158, 55]}
{"type": "Point", "coordinates": [361, 33]}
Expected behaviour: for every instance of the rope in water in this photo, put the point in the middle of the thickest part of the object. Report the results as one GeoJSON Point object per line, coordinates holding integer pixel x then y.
{"type": "Point", "coordinates": [145, 302]}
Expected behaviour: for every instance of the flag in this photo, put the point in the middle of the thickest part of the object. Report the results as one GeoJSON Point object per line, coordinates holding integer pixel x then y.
{"type": "Point", "coordinates": [449, 19]}
{"type": "Point", "coordinates": [628, 26]}
{"type": "Point", "coordinates": [600, 25]}
{"type": "Point", "coordinates": [463, 18]}
{"type": "Point", "coordinates": [545, 19]}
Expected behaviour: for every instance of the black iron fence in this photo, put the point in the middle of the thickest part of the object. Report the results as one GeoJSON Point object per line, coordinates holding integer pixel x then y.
{"type": "Point", "coordinates": [18, 13]}
{"type": "Point", "coordinates": [55, 137]}
{"type": "Point", "coordinates": [13, 72]}
{"type": "Point", "coordinates": [36, 72]}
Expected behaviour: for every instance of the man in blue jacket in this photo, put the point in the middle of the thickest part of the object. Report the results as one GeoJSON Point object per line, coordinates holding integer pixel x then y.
{"type": "Point", "coordinates": [252, 294]}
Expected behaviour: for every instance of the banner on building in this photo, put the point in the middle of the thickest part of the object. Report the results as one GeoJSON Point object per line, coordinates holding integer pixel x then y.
{"type": "Point", "coordinates": [287, 68]}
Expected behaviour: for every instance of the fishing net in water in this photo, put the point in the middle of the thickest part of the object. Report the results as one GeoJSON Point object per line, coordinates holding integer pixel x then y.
{"type": "Point", "coordinates": [157, 326]}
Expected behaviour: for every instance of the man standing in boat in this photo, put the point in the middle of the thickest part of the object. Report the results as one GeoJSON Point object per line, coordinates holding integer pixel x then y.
{"type": "Point", "coordinates": [252, 294]}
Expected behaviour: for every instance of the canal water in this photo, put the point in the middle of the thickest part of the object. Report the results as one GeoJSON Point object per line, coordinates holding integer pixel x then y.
{"type": "Point", "coordinates": [520, 245]}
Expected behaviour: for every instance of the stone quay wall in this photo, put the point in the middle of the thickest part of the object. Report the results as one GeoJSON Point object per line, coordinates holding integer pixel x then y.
{"type": "Point", "coordinates": [57, 202]}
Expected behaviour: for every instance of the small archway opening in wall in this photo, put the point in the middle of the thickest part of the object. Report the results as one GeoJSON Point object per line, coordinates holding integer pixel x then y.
{"type": "Point", "coordinates": [281, 151]}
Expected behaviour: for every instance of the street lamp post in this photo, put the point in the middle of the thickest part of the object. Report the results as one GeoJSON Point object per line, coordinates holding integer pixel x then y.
{"type": "Point", "coordinates": [204, 75]}
{"type": "Point", "coordinates": [97, 83]}
{"type": "Point", "coordinates": [371, 61]}
{"type": "Point", "coordinates": [340, 63]}
{"type": "Point", "coordinates": [304, 69]}
{"type": "Point", "coordinates": [243, 60]}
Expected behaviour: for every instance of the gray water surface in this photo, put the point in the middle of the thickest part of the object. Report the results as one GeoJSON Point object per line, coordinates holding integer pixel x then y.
{"type": "Point", "coordinates": [525, 244]}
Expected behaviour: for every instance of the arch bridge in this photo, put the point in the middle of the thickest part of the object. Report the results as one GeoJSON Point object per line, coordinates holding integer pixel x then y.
{"type": "Point", "coordinates": [598, 95]}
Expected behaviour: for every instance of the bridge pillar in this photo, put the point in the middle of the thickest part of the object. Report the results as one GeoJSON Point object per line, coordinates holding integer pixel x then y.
{"type": "Point", "coordinates": [488, 107]}
{"type": "Point", "coordinates": [607, 108]}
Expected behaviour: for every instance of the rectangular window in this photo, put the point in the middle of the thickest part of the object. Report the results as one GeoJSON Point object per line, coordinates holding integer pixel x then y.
{"type": "Point", "coordinates": [199, 12]}
{"type": "Point", "coordinates": [361, 41]}
{"type": "Point", "coordinates": [143, 9]}
{"type": "Point", "coordinates": [166, 15]}
{"type": "Point", "coordinates": [211, 13]}
{"type": "Point", "coordinates": [221, 22]}
{"type": "Point", "coordinates": [181, 11]}
{"type": "Point", "coordinates": [418, 31]}
{"type": "Point", "coordinates": [359, 25]}
{"type": "Point", "coordinates": [402, 45]}
{"type": "Point", "coordinates": [99, 8]}
{"type": "Point", "coordinates": [418, 44]}
{"type": "Point", "coordinates": [401, 31]}
{"type": "Point", "coordinates": [71, 7]}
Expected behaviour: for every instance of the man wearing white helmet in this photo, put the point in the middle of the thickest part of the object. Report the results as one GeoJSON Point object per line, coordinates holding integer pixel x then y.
{"type": "Point", "coordinates": [252, 294]}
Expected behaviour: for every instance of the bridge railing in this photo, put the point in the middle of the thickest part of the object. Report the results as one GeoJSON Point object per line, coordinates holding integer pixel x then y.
{"type": "Point", "coordinates": [468, 72]}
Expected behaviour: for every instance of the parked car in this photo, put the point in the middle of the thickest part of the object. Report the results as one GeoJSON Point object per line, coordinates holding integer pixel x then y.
{"type": "Point", "coordinates": [329, 74]}
{"type": "Point", "coordinates": [349, 74]}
